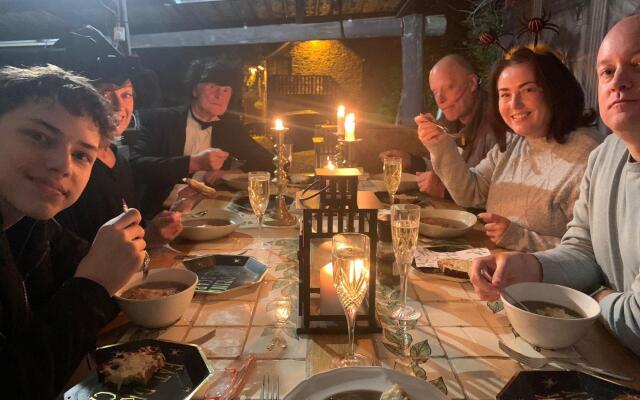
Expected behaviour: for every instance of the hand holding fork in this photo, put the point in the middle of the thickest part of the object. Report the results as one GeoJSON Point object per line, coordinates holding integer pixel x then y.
{"type": "Point", "coordinates": [147, 258]}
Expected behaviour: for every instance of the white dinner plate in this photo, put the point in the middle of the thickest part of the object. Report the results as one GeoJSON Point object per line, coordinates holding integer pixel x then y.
{"type": "Point", "coordinates": [325, 384]}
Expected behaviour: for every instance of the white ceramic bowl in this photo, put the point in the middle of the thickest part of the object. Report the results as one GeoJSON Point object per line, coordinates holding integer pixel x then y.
{"type": "Point", "coordinates": [550, 332]}
{"type": "Point", "coordinates": [408, 182]}
{"type": "Point", "coordinates": [200, 229]}
{"type": "Point", "coordinates": [162, 311]}
{"type": "Point", "coordinates": [439, 231]}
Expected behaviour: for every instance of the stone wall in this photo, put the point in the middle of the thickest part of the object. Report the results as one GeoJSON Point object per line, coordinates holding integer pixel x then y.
{"type": "Point", "coordinates": [333, 58]}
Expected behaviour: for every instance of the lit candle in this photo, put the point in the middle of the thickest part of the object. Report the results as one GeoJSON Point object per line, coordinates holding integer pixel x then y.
{"type": "Point", "coordinates": [330, 165]}
{"type": "Point", "coordinates": [340, 120]}
{"type": "Point", "coordinates": [329, 303]}
{"type": "Point", "coordinates": [350, 128]}
{"type": "Point", "coordinates": [279, 125]}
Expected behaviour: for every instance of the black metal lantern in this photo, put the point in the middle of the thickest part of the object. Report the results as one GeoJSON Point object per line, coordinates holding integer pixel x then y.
{"type": "Point", "coordinates": [336, 208]}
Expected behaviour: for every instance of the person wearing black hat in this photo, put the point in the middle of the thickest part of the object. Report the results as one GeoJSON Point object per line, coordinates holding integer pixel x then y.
{"type": "Point", "coordinates": [176, 142]}
{"type": "Point", "coordinates": [111, 182]}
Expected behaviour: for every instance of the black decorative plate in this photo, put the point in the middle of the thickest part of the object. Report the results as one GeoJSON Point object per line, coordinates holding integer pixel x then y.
{"type": "Point", "coordinates": [560, 385]}
{"type": "Point", "coordinates": [184, 371]}
{"type": "Point", "coordinates": [222, 273]}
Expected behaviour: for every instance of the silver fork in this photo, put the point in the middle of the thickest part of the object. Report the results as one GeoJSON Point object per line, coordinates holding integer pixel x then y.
{"type": "Point", "coordinates": [270, 388]}
{"type": "Point", "coordinates": [541, 362]}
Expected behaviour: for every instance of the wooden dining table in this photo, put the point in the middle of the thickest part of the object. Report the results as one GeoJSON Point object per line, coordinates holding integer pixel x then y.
{"type": "Point", "coordinates": [457, 334]}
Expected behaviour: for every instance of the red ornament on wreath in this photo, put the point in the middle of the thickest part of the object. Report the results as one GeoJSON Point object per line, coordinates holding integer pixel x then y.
{"type": "Point", "coordinates": [489, 38]}
{"type": "Point", "coordinates": [536, 25]}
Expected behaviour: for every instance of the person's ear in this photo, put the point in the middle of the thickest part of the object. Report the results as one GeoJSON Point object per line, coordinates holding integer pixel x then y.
{"type": "Point", "coordinates": [475, 82]}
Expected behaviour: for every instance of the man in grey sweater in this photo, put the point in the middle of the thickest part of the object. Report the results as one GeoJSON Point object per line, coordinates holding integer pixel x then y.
{"type": "Point", "coordinates": [601, 249]}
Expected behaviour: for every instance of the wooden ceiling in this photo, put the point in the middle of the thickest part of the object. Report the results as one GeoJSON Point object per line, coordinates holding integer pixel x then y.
{"type": "Point", "coordinates": [44, 19]}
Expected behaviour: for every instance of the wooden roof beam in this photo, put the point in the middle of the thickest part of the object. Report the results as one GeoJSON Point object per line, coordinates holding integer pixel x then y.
{"type": "Point", "coordinates": [434, 25]}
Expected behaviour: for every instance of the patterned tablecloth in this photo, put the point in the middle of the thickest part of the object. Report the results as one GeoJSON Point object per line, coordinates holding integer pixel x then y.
{"type": "Point", "coordinates": [454, 344]}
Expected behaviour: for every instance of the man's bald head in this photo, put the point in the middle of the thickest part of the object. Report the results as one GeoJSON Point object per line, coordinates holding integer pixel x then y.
{"type": "Point", "coordinates": [619, 79]}
{"type": "Point", "coordinates": [454, 85]}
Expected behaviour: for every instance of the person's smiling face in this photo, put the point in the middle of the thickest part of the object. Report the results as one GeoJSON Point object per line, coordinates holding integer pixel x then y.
{"type": "Point", "coordinates": [121, 99]}
{"type": "Point", "coordinates": [211, 100]}
{"type": "Point", "coordinates": [45, 159]}
{"type": "Point", "coordinates": [521, 102]}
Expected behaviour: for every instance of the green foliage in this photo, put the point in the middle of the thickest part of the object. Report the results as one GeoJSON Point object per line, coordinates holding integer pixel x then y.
{"type": "Point", "coordinates": [484, 16]}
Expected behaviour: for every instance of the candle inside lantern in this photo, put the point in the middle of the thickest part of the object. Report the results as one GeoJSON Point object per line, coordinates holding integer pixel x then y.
{"type": "Point", "coordinates": [350, 128]}
{"type": "Point", "coordinates": [330, 165]}
{"type": "Point", "coordinates": [329, 303]}
{"type": "Point", "coordinates": [340, 120]}
{"type": "Point", "coordinates": [279, 125]}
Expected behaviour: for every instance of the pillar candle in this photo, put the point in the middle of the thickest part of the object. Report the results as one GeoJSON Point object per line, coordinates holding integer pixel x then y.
{"type": "Point", "coordinates": [340, 120]}
{"type": "Point", "coordinates": [350, 128]}
{"type": "Point", "coordinates": [329, 303]}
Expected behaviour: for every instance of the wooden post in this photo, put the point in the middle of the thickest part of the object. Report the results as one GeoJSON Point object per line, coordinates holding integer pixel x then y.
{"type": "Point", "coordinates": [412, 96]}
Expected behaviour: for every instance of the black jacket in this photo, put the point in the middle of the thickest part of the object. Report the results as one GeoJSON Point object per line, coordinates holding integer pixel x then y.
{"type": "Point", "coordinates": [157, 156]}
{"type": "Point", "coordinates": [48, 320]}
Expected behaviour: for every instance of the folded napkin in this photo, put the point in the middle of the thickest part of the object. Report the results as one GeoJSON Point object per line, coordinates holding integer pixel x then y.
{"type": "Point", "coordinates": [427, 258]}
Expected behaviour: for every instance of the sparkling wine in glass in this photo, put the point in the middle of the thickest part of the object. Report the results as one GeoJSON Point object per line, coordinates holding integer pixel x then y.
{"type": "Point", "coordinates": [350, 258]}
{"type": "Point", "coordinates": [405, 222]}
{"type": "Point", "coordinates": [259, 186]}
{"type": "Point", "coordinates": [392, 175]}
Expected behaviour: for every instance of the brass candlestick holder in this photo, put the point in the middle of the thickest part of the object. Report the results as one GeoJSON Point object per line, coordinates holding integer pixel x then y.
{"type": "Point", "coordinates": [280, 215]}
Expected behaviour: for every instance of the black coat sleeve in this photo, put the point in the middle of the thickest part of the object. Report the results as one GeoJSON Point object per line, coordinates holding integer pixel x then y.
{"type": "Point", "coordinates": [156, 157]}
{"type": "Point", "coordinates": [234, 138]}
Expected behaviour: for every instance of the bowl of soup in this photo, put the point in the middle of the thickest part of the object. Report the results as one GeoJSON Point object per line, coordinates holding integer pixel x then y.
{"type": "Point", "coordinates": [216, 224]}
{"type": "Point", "coordinates": [160, 299]}
{"type": "Point", "coordinates": [437, 223]}
{"type": "Point", "coordinates": [559, 316]}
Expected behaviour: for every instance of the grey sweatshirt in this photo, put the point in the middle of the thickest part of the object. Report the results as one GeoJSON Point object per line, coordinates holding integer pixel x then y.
{"type": "Point", "coordinates": [534, 183]}
{"type": "Point", "coordinates": [602, 244]}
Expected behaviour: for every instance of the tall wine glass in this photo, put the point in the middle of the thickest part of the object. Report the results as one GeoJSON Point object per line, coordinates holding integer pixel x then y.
{"type": "Point", "coordinates": [350, 258]}
{"type": "Point", "coordinates": [405, 222]}
{"type": "Point", "coordinates": [392, 169]}
{"type": "Point", "coordinates": [259, 186]}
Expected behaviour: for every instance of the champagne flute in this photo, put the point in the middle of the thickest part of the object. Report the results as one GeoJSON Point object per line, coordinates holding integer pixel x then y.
{"type": "Point", "coordinates": [392, 175]}
{"type": "Point", "coordinates": [259, 186]}
{"type": "Point", "coordinates": [350, 258]}
{"type": "Point", "coordinates": [405, 222]}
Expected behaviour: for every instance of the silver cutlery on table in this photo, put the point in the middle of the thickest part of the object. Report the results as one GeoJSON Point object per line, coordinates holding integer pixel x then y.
{"type": "Point", "coordinates": [196, 214]}
{"type": "Point", "coordinates": [535, 362]}
{"type": "Point", "coordinates": [204, 338]}
{"type": "Point", "coordinates": [184, 257]}
{"type": "Point", "coordinates": [270, 388]}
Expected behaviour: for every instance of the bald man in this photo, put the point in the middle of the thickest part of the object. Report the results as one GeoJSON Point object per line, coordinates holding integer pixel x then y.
{"type": "Point", "coordinates": [455, 87]}
{"type": "Point", "coordinates": [600, 253]}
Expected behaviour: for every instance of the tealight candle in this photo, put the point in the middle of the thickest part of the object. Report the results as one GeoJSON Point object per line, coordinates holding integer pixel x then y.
{"type": "Point", "coordinates": [350, 128]}
{"type": "Point", "coordinates": [329, 303]}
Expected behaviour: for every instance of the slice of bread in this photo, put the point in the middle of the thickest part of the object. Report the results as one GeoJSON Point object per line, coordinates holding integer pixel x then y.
{"type": "Point", "coordinates": [136, 367]}
{"type": "Point", "coordinates": [395, 392]}
{"type": "Point", "coordinates": [455, 267]}
{"type": "Point", "coordinates": [200, 187]}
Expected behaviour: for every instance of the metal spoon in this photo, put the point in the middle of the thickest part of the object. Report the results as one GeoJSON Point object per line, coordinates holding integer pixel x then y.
{"type": "Point", "coordinates": [504, 292]}
{"type": "Point", "coordinates": [147, 257]}
{"type": "Point", "coordinates": [195, 214]}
